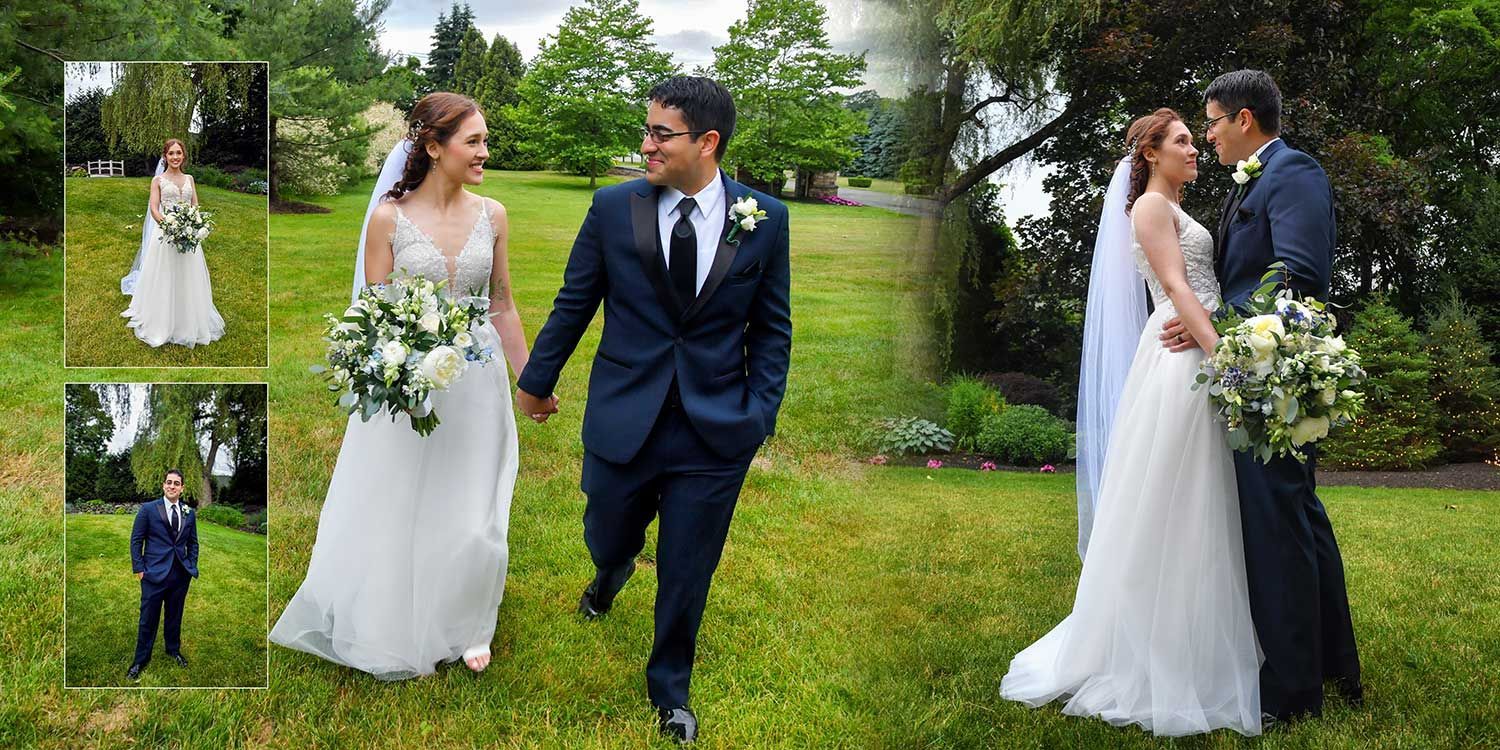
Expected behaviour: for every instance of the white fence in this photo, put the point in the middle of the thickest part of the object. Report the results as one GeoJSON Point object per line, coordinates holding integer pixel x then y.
{"type": "Point", "coordinates": [106, 169]}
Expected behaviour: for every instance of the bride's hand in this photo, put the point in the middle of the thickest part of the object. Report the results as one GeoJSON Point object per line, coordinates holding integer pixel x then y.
{"type": "Point", "coordinates": [539, 409]}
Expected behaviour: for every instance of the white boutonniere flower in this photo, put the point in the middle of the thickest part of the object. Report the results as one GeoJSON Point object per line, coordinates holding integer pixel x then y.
{"type": "Point", "coordinates": [1246, 170]}
{"type": "Point", "coordinates": [743, 216]}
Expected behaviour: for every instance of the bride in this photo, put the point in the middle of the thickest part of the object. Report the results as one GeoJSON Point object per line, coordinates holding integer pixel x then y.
{"type": "Point", "coordinates": [409, 564]}
{"type": "Point", "coordinates": [1160, 633]}
{"type": "Point", "coordinates": [171, 300]}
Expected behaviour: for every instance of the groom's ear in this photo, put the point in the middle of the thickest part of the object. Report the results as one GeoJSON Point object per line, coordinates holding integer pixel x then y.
{"type": "Point", "coordinates": [708, 144]}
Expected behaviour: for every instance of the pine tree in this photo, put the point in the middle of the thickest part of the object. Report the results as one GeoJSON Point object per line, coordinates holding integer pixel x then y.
{"type": "Point", "coordinates": [1465, 383]}
{"type": "Point", "coordinates": [1399, 427]}
{"type": "Point", "coordinates": [468, 70]}
{"type": "Point", "coordinates": [447, 45]}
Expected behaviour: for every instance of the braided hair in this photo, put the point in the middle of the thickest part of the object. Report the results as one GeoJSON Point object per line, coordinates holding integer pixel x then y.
{"type": "Point", "coordinates": [433, 120]}
{"type": "Point", "coordinates": [1148, 131]}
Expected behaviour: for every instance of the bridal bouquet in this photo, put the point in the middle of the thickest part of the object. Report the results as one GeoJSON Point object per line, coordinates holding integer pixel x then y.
{"type": "Point", "coordinates": [184, 225]}
{"type": "Point", "coordinates": [1279, 376]}
{"type": "Point", "coordinates": [399, 342]}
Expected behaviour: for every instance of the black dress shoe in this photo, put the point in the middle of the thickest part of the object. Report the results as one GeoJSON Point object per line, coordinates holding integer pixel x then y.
{"type": "Point", "coordinates": [600, 594]}
{"type": "Point", "coordinates": [678, 723]}
{"type": "Point", "coordinates": [134, 675]}
{"type": "Point", "coordinates": [1353, 692]}
{"type": "Point", "coordinates": [181, 661]}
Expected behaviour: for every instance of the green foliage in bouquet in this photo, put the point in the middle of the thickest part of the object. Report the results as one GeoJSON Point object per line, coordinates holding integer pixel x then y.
{"type": "Point", "coordinates": [1280, 377]}
{"type": "Point", "coordinates": [1465, 382]}
{"type": "Point", "coordinates": [970, 401]}
{"type": "Point", "coordinates": [1399, 427]}
{"type": "Point", "coordinates": [1025, 435]}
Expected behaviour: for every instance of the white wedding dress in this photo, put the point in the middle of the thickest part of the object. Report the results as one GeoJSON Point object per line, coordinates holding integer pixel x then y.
{"type": "Point", "coordinates": [173, 302]}
{"type": "Point", "coordinates": [409, 564]}
{"type": "Point", "coordinates": [1160, 633]}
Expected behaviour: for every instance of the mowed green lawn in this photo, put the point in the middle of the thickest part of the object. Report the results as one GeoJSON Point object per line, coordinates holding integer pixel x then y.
{"type": "Point", "coordinates": [103, 234]}
{"type": "Point", "coordinates": [856, 607]}
{"type": "Point", "coordinates": [223, 621]}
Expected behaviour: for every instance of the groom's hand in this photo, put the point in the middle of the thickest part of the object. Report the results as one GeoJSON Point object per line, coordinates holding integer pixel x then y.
{"type": "Point", "coordinates": [539, 409]}
{"type": "Point", "coordinates": [139, 576]}
{"type": "Point", "coordinates": [1176, 337]}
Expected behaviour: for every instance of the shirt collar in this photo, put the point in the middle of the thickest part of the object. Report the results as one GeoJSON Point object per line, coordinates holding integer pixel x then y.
{"type": "Point", "coordinates": [169, 503]}
{"type": "Point", "coordinates": [1263, 147]}
{"type": "Point", "coordinates": [711, 195]}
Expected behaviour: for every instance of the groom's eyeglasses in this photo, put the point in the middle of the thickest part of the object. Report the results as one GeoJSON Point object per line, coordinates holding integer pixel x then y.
{"type": "Point", "coordinates": [1209, 125]}
{"type": "Point", "coordinates": [662, 136]}
{"type": "Point", "coordinates": [173, 483]}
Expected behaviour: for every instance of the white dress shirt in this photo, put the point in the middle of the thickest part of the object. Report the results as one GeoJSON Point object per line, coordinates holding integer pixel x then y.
{"type": "Point", "coordinates": [1263, 146]}
{"type": "Point", "coordinates": [173, 507]}
{"type": "Point", "coordinates": [707, 219]}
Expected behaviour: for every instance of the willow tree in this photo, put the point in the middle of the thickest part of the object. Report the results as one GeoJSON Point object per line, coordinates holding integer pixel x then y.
{"type": "Point", "coordinates": [187, 426]}
{"type": "Point", "coordinates": [151, 102]}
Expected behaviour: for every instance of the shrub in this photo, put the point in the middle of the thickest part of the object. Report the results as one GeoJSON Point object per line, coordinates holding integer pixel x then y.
{"type": "Point", "coordinates": [256, 522]}
{"type": "Point", "coordinates": [1021, 388]}
{"type": "Point", "coordinates": [96, 506]}
{"type": "Point", "coordinates": [860, 182]}
{"type": "Point", "coordinates": [969, 402]}
{"type": "Point", "coordinates": [914, 435]}
{"type": "Point", "coordinates": [1399, 427]}
{"type": "Point", "coordinates": [78, 172]}
{"type": "Point", "coordinates": [1025, 435]}
{"type": "Point", "coordinates": [208, 174]}
{"type": "Point", "coordinates": [1465, 383]}
{"type": "Point", "coordinates": [223, 515]}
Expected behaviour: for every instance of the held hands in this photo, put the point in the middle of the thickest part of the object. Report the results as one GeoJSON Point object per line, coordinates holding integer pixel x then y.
{"type": "Point", "coordinates": [539, 409]}
{"type": "Point", "coordinates": [139, 576]}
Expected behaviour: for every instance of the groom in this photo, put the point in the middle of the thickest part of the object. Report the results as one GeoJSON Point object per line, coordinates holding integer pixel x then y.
{"type": "Point", "coordinates": [1284, 212]}
{"type": "Point", "coordinates": [689, 373]}
{"type": "Point", "coordinates": [164, 557]}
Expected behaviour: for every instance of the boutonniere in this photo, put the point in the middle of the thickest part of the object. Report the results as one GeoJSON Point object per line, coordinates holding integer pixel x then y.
{"type": "Point", "coordinates": [743, 215]}
{"type": "Point", "coordinates": [1247, 170]}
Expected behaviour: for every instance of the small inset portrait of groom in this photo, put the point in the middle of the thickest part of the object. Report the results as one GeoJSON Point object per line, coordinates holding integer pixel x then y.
{"type": "Point", "coordinates": [164, 557]}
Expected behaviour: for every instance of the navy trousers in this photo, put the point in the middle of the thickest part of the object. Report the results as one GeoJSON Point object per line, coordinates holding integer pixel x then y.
{"type": "Point", "coordinates": [679, 479]}
{"type": "Point", "coordinates": [168, 595]}
{"type": "Point", "coordinates": [1296, 579]}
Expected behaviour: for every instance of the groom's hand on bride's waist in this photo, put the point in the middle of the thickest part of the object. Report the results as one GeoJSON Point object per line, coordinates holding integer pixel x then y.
{"type": "Point", "coordinates": [1176, 337]}
{"type": "Point", "coordinates": [539, 409]}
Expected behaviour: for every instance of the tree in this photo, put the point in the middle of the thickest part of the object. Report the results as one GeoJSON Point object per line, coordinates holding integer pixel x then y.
{"type": "Point", "coordinates": [85, 133]}
{"type": "Point", "coordinates": [469, 68]}
{"type": "Point", "coordinates": [151, 102]}
{"type": "Point", "coordinates": [1465, 383]}
{"type": "Point", "coordinates": [87, 428]}
{"type": "Point", "coordinates": [883, 147]}
{"type": "Point", "coordinates": [448, 46]}
{"type": "Point", "coordinates": [1399, 426]}
{"type": "Point", "coordinates": [186, 426]}
{"type": "Point", "coordinates": [583, 96]}
{"type": "Point", "coordinates": [498, 92]}
{"type": "Point", "coordinates": [781, 68]}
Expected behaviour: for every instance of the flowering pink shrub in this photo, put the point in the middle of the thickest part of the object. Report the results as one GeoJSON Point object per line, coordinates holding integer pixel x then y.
{"type": "Point", "coordinates": [1048, 469]}
{"type": "Point", "coordinates": [987, 466]}
{"type": "Point", "coordinates": [837, 201]}
{"type": "Point", "coordinates": [933, 463]}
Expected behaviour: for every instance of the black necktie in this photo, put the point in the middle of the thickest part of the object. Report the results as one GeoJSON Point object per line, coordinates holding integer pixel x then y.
{"type": "Point", "coordinates": [175, 526]}
{"type": "Point", "coordinates": [684, 253]}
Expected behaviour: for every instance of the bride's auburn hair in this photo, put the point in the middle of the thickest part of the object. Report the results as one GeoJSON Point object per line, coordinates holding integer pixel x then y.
{"type": "Point", "coordinates": [1148, 131]}
{"type": "Point", "coordinates": [433, 120]}
{"type": "Point", "coordinates": [165, 147]}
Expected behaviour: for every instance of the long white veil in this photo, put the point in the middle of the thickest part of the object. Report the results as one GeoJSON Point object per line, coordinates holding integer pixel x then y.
{"type": "Point", "coordinates": [1112, 325]}
{"type": "Point", "coordinates": [148, 228]}
{"type": "Point", "coordinates": [390, 174]}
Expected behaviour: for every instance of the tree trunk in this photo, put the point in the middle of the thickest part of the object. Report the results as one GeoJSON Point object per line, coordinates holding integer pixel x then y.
{"type": "Point", "coordinates": [206, 496]}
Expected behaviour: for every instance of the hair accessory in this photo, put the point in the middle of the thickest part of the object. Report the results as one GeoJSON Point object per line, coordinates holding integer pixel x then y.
{"type": "Point", "coordinates": [414, 130]}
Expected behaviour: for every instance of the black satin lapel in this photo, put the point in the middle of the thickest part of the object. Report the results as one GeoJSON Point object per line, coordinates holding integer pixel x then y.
{"type": "Point", "coordinates": [161, 507]}
{"type": "Point", "coordinates": [648, 247]}
{"type": "Point", "coordinates": [1224, 215]}
{"type": "Point", "coordinates": [723, 258]}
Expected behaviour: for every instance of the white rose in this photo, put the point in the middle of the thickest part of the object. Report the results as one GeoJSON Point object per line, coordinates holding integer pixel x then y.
{"type": "Point", "coordinates": [748, 205]}
{"type": "Point", "coordinates": [1240, 177]}
{"type": "Point", "coordinates": [203, 232]}
{"type": "Point", "coordinates": [430, 322]}
{"type": "Point", "coordinates": [443, 365]}
{"type": "Point", "coordinates": [1309, 429]}
{"type": "Point", "coordinates": [747, 223]}
{"type": "Point", "coordinates": [1329, 396]}
{"type": "Point", "coordinates": [463, 340]}
{"type": "Point", "coordinates": [393, 352]}
{"type": "Point", "coordinates": [1333, 345]}
{"type": "Point", "coordinates": [349, 327]}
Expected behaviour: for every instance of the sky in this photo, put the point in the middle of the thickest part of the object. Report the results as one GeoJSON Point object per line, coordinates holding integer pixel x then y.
{"type": "Point", "coordinates": [125, 430]}
{"type": "Point", "coordinates": [689, 29]}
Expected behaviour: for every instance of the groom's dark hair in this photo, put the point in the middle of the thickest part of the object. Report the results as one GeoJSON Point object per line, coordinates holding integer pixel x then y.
{"type": "Point", "coordinates": [170, 472]}
{"type": "Point", "coordinates": [1248, 89]}
{"type": "Point", "coordinates": [705, 105]}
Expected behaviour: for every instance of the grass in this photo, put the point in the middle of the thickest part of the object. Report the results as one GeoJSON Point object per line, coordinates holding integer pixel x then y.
{"type": "Point", "coordinates": [103, 235]}
{"type": "Point", "coordinates": [855, 607]}
{"type": "Point", "coordinates": [223, 622]}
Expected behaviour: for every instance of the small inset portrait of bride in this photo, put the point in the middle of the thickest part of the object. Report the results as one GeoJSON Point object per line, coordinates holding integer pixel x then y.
{"type": "Point", "coordinates": [165, 554]}
{"type": "Point", "coordinates": [166, 206]}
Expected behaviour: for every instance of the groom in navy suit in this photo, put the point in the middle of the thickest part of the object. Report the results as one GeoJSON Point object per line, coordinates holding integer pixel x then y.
{"type": "Point", "coordinates": [164, 556]}
{"type": "Point", "coordinates": [689, 373]}
{"type": "Point", "coordinates": [1295, 574]}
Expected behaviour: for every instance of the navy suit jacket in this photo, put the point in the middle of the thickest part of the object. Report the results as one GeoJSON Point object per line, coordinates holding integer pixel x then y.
{"type": "Point", "coordinates": [729, 348]}
{"type": "Point", "coordinates": [153, 546]}
{"type": "Point", "coordinates": [1286, 214]}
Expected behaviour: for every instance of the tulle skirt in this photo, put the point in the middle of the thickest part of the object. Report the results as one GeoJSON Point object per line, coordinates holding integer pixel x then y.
{"type": "Point", "coordinates": [1160, 633]}
{"type": "Point", "coordinates": [173, 301]}
{"type": "Point", "coordinates": [409, 564]}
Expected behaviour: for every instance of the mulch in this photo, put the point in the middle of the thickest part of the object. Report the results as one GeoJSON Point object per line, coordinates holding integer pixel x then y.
{"type": "Point", "coordinates": [298, 207]}
{"type": "Point", "coordinates": [1466, 476]}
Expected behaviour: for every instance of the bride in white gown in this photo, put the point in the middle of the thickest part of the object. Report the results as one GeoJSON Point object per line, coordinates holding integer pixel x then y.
{"type": "Point", "coordinates": [171, 299]}
{"type": "Point", "coordinates": [409, 564]}
{"type": "Point", "coordinates": [1160, 633]}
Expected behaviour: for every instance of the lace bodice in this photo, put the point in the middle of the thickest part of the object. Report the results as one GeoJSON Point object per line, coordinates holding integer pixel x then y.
{"type": "Point", "coordinates": [1197, 256]}
{"type": "Point", "coordinates": [171, 194]}
{"type": "Point", "coordinates": [467, 271]}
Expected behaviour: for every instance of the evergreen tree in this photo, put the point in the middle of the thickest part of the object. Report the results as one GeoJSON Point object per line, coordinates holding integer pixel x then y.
{"type": "Point", "coordinates": [448, 46]}
{"type": "Point", "coordinates": [1465, 383]}
{"type": "Point", "coordinates": [1399, 427]}
{"type": "Point", "coordinates": [468, 70]}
